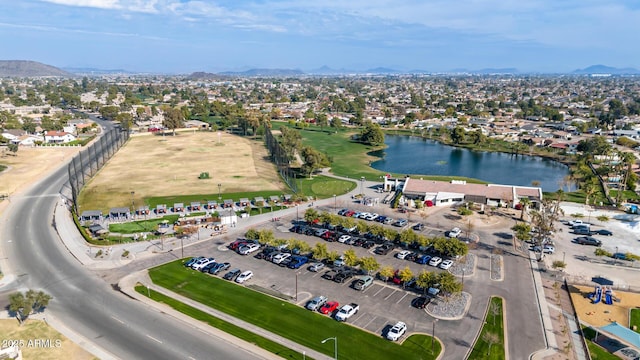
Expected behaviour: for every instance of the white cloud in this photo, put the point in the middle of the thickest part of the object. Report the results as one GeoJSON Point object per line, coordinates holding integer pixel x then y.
{"type": "Point", "coordinates": [146, 6]}
{"type": "Point", "coordinates": [78, 31]}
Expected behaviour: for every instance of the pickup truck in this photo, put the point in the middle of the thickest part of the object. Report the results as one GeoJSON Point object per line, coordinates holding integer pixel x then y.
{"type": "Point", "coordinates": [347, 311]}
{"type": "Point", "coordinates": [363, 283]}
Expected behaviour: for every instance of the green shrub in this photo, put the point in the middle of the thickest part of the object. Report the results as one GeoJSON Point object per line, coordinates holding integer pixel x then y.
{"type": "Point", "coordinates": [603, 252]}
{"type": "Point", "coordinates": [464, 211]}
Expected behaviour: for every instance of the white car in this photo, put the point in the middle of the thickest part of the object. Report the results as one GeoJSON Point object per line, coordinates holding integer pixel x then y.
{"type": "Point", "coordinates": [435, 261]}
{"type": "Point", "coordinates": [344, 238]}
{"type": "Point", "coordinates": [280, 258]}
{"type": "Point", "coordinates": [446, 264]}
{"type": "Point", "coordinates": [397, 331]}
{"type": "Point", "coordinates": [403, 254]}
{"type": "Point", "coordinates": [315, 267]}
{"type": "Point", "coordinates": [202, 263]}
{"type": "Point", "coordinates": [372, 217]}
{"type": "Point", "coordinates": [244, 276]}
{"type": "Point", "coordinates": [248, 249]}
{"type": "Point", "coordinates": [455, 232]}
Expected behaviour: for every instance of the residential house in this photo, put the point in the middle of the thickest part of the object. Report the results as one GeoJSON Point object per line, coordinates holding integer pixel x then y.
{"type": "Point", "coordinates": [58, 137]}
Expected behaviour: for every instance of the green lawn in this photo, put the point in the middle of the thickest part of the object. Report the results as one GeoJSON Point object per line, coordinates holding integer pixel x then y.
{"type": "Point", "coordinates": [286, 319]}
{"type": "Point", "coordinates": [142, 225]}
{"type": "Point", "coordinates": [227, 327]}
{"type": "Point", "coordinates": [596, 352]}
{"type": "Point", "coordinates": [493, 325]}
{"type": "Point", "coordinates": [324, 187]}
{"type": "Point", "coordinates": [635, 320]}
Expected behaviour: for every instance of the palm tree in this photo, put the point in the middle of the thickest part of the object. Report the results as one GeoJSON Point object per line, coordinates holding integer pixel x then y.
{"type": "Point", "coordinates": [524, 203]}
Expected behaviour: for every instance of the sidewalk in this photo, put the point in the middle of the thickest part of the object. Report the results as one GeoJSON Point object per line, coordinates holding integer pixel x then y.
{"type": "Point", "coordinates": [547, 325]}
{"type": "Point", "coordinates": [128, 283]}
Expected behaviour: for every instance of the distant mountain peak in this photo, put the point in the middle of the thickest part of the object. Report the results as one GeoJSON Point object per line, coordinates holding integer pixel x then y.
{"type": "Point", "coordinates": [28, 68]}
{"type": "Point", "coordinates": [604, 69]}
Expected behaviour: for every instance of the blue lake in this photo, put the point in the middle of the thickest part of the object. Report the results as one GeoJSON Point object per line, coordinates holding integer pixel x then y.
{"type": "Point", "coordinates": [414, 155]}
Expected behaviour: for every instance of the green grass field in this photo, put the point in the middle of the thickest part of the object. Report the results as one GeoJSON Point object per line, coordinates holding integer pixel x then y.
{"type": "Point", "coordinates": [142, 225]}
{"type": "Point", "coordinates": [227, 327]}
{"type": "Point", "coordinates": [286, 319]}
{"type": "Point", "coordinates": [494, 324]}
{"type": "Point", "coordinates": [634, 319]}
{"type": "Point", "coordinates": [324, 187]}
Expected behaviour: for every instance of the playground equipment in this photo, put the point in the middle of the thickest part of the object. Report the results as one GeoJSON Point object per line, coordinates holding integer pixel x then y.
{"type": "Point", "coordinates": [596, 295]}
{"type": "Point", "coordinates": [609, 295]}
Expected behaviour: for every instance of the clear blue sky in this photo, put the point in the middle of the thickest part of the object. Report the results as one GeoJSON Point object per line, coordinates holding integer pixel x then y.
{"type": "Point", "coordinates": [181, 36]}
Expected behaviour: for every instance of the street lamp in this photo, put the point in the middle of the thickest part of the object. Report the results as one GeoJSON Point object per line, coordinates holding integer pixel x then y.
{"type": "Point", "coordinates": [335, 349]}
{"type": "Point", "coordinates": [219, 195]}
{"type": "Point", "coordinates": [334, 202]}
{"type": "Point", "coordinates": [362, 185]}
{"type": "Point", "coordinates": [133, 206]}
{"type": "Point", "coordinates": [433, 334]}
{"type": "Point", "coordinates": [463, 279]}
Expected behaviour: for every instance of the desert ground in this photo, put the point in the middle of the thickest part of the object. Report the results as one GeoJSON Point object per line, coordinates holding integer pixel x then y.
{"type": "Point", "coordinates": [52, 344]}
{"type": "Point", "coordinates": [31, 164]}
{"type": "Point", "coordinates": [154, 165]}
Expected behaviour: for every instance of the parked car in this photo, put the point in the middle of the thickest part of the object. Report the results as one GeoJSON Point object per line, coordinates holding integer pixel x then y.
{"type": "Point", "coordinates": [279, 258]}
{"type": "Point", "coordinates": [209, 266]}
{"type": "Point", "coordinates": [329, 275]}
{"type": "Point", "coordinates": [547, 249]}
{"type": "Point", "coordinates": [297, 261]}
{"type": "Point", "coordinates": [435, 261]}
{"type": "Point", "coordinates": [397, 331]}
{"type": "Point", "coordinates": [400, 223]}
{"type": "Point", "coordinates": [218, 267]}
{"type": "Point", "coordinates": [347, 311]}
{"type": "Point", "coordinates": [381, 219]}
{"type": "Point", "coordinates": [368, 244]}
{"type": "Point", "coordinates": [244, 276]}
{"type": "Point", "coordinates": [315, 303]}
{"type": "Point", "coordinates": [604, 232]}
{"type": "Point", "coordinates": [363, 283]}
{"type": "Point", "coordinates": [423, 259]}
{"type": "Point", "coordinates": [342, 211]}
{"type": "Point", "coordinates": [198, 265]}
{"type": "Point", "coordinates": [420, 302]}
{"type": "Point", "coordinates": [236, 244]}
{"type": "Point", "coordinates": [619, 256]}
{"type": "Point", "coordinates": [446, 264]}
{"type": "Point", "coordinates": [403, 254]}
{"type": "Point", "coordinates": [418, 227]}
{"type": "Point", "coordinates": [388, 220]}
{"type": "Point", "coordinates": [583, 231]}
{"type": "Point", "coordinates": [383, 249]}
{"type": "Point", "coordinates": [193, 260]}
{"type": "Point", "coordinates": [315, 267]}
{"type": "Point", "coordinates": [344, 238]}
{"type": "Point", "coordinates": [454, 233]}
{"type": "Point", "coordinates": [343, 276]}
{"type": "Point", "coordinates": [232, 275]}
{"type": "Point", "coordinates": [588, 240]}
{"type": "Point", "coordinates": [329, 307]}
{"type": "Point", "coordinates": [248, 249]}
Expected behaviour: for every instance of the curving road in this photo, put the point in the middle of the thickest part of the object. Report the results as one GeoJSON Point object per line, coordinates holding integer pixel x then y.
{"type": "Point", "coordinates": [121, 327]}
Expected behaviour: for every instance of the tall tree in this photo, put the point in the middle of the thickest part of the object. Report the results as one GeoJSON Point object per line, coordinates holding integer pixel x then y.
{"type": "Point", "coordinates": [28, 303]}
{"type": "Point", "coordinates": [173, 119]}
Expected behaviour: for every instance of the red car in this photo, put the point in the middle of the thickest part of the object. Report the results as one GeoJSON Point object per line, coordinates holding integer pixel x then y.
{"type": "Point", "coordinates": [349, 213]}
{"type": "Point", "coordinates": [329, 307]}
{"type": "Point", "coordinates": [396, 278]}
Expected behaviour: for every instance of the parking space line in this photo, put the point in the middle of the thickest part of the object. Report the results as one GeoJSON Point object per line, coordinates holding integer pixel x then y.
{"type": "Point", "coordinates": [405, 295]}
{"type": "Point", "coordinates": [388, 296]}
{"type": "Point", "coordinates": [378, 292]}
{"type": "Point", "coordinates": [370, 321]}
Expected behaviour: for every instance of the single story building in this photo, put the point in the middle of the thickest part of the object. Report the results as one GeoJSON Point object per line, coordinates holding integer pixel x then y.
{"type": "Point", "coordinates": [228, 217]}
{"type": "Point", "coordinates": [442, 193]}
{"type": "Point", "coordinates": [212, 204]}
{"type": "Point", "coordinates": [119, 212]}
{"type": "Point", "coordinates": [228, 203]}
{"type": "Point", "coordinates": [143, 210]}
{"type": "Point", "coordinates": [91, 215]}
{"type": "Point", "coordinates": [161, 209]}
{"type": "Point", "coordinates": [178, 207]}
{"type": "Point", "coordinates": [195, 206]}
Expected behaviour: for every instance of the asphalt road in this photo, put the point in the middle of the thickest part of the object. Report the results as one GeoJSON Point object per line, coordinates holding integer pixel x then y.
{"type": "Point", "coordinates": [83, 301]}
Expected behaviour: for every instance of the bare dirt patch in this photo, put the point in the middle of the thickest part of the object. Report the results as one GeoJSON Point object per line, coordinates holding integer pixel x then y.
{"type": "Point", "coordinates": [41, 341]}
{"type": "Point", "coordinates": [31, 164]}
{"type": "Point", "coordinates": [153, 165]}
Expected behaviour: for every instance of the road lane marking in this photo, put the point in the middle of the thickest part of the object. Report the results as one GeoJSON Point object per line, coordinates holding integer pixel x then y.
{"type": "Point", "coordinates": [116, 319]}
{"type": "Point", "coordinates": [378, 292]}
{"type": "Point", "coordinates": [154, 339]}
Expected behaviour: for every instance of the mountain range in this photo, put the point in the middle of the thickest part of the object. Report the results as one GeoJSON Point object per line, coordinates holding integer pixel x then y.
{"type": "Point", "coordinates": [26, 68]}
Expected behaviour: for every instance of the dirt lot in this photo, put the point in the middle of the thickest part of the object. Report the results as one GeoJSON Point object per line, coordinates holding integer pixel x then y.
{"type": "Point", "coordinates": [31, 164]}
{"type": "Point", "coordinates": [40, 341]}
{"type": "Point", "coordinates": [602, 314]}
{"type": "Point", "coordinates": [153, 165]}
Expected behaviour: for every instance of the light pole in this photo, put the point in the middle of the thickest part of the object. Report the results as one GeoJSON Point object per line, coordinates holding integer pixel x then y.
{"type": "Point", "coordinates": [463, 279]}
{"type": "Point", "coordinates": [296, 287]}
{"type": "Point", "coordinates": [297, 217]}
{"type": "Point", "coordinates": [335, 349]}
{"type": "Point", "coordinates": [334, 202]}
{"type": "Point", "coordinates": [362, 186]}
{"type": "Point", "coordinates": [133, 206]}
{"type": "Point", "coordinates": [219, 194]}
{"type": "Point", "coordinates": [433, 334]}
{"type": "Point", "coordinates": [615, 259]}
